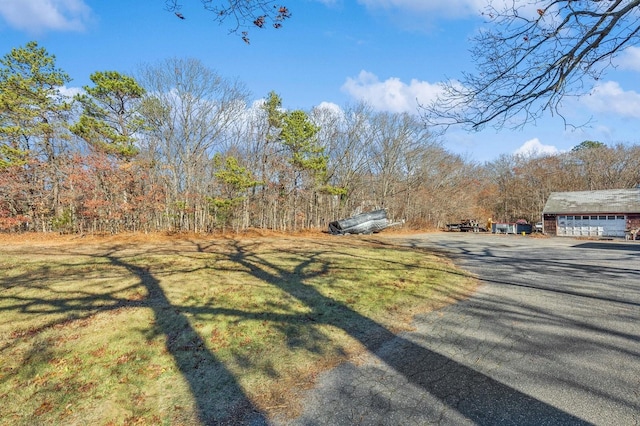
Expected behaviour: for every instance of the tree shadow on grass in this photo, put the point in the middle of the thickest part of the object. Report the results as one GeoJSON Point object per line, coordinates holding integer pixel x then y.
{"type": "Point", "coordinates": [472, 394]}
{"type": "Point", "coordinates": [218, 396]}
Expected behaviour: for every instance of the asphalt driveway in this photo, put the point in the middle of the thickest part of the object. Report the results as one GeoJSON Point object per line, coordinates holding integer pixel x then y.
{"type": "Point", "coordinates": [552, 337]}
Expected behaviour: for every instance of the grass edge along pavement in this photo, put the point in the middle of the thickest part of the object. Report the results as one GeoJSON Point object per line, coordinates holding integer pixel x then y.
{"type": "Point", "coordinates": [194, 330]}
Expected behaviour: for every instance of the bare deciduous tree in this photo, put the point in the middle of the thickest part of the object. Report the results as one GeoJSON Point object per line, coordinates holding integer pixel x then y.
{"type": "Point", "coordinates": [605, 167]}
{"type": "Point", "coordinates": [346, 135]}
{"type": "Point", "coordinates": [188, 110]}
{"type": "Point", "coordinates": [533, 55]}
{"type": "Point", "coordinates": [397, 143]}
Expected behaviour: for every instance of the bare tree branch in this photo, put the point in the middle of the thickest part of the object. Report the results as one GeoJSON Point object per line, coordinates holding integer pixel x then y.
{"type": "Point", "coordinates": [533, 56]}
{"type": "Point", "coordinates": [244, 14]}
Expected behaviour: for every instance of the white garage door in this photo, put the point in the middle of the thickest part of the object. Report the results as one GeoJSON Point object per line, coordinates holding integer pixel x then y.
{"type": "Point", "coordinates": [592, 226]}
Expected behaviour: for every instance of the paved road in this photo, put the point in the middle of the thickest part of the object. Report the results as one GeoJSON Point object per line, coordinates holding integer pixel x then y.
{"type": "Point", "coordinates": [552, 337]}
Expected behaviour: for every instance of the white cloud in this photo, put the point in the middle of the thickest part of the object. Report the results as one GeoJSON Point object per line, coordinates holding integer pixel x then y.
{"type": "Point", "coordinates": [630, 59]}
{"type": "Point", "coordinates": [450, 8]}
{"type": "Point", "coordinates": [330, 107]}
{"type": "Point", "coordinates": [391, 95]}
{"type": "Point", "coordinates": [38, 16]}
{"type": "Point", "coordinates": [70, 91]}
{"type": "Point", "coordinates": [534, 147]}
{"type": "Point", "coordinates": [610, 98]}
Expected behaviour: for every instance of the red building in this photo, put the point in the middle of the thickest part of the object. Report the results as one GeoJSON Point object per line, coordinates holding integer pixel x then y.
{"type": "Point", "coordinates": [606, 213]}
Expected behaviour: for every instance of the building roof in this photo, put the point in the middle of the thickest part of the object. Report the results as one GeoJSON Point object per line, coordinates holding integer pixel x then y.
{"type": "Point", "coordinates": [586, 202]}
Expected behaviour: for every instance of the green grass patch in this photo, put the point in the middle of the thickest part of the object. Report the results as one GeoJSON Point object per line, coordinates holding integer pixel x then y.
{"type": "Point", "coordinates": [196, 331]}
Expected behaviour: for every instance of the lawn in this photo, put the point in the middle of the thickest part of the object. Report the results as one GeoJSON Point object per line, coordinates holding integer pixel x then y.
{"type": "Point", "coordinates": [188, 330]}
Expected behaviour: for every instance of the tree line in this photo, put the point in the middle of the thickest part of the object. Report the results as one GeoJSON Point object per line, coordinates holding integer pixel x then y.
{"type": "Point", "coordinates": [180, 148]}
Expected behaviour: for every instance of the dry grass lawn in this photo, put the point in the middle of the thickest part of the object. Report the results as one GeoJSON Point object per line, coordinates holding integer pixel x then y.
{"type": "Point", "coordinates": [189, 330]}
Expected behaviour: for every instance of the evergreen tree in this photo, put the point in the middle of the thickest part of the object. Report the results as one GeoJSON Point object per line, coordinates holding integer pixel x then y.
{"type": "Point", "coordinates": [111, 117]}
{"type": "Point", "coordinates": [32, 107]}
{"type": "Point", "coordinates": [33, 133]}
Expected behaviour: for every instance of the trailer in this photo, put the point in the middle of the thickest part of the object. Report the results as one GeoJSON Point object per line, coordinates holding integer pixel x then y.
{"type": "Point", "coordinates": [466, 226]}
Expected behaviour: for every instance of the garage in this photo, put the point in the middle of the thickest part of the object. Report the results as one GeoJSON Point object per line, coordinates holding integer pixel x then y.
{"type": "Point", "coordinates": [591, 226]}
{"type": "Point", "coordinates": [603, 213]}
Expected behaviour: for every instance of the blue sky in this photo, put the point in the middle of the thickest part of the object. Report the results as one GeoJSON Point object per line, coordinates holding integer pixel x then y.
{"type": "Point", "coordinates": [387, 53]}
